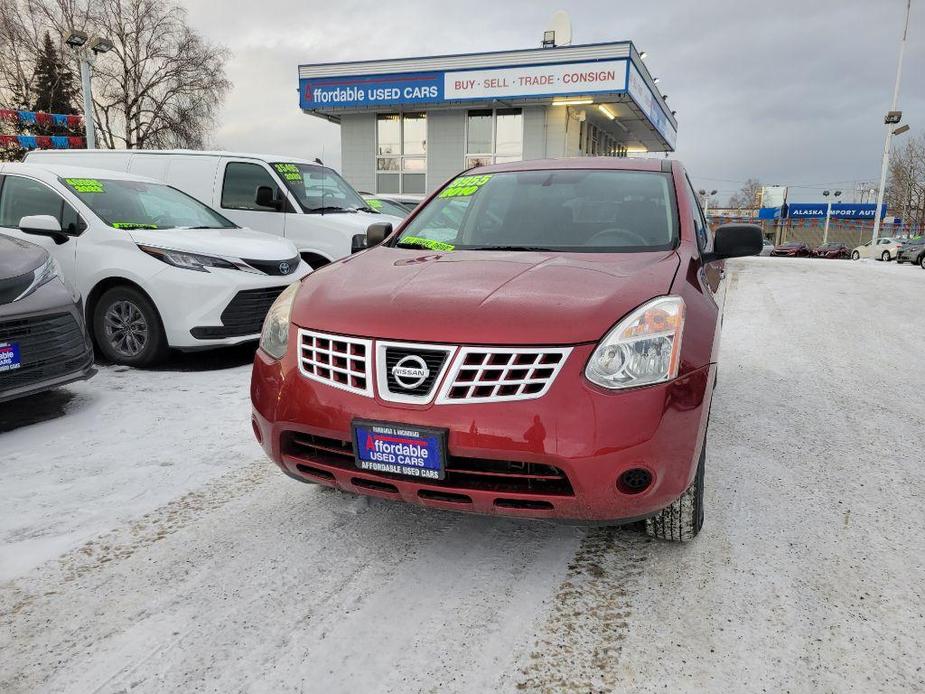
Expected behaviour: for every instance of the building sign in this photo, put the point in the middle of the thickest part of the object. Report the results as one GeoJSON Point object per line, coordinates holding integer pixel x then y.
{"type": "Point", "coordinates": [536, 80]}
{"type": "Point", "coordinates": [841, 210]}
{"type": "Point", "coordinates": [371, 90]}
{"type": "Point", "coordinates": [491, 83]}
{"type": "Point", "coordinates": [648, 103]}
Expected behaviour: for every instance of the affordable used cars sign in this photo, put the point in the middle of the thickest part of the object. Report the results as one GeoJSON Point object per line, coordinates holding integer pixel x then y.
{"type": "Point", "coordinates": [434, 87]}
{"type": "Point", "coordinates": [371, 90]}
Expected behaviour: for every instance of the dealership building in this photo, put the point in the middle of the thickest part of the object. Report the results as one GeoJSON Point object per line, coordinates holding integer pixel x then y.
{"type": "Point", "coordinates": [407, 125]}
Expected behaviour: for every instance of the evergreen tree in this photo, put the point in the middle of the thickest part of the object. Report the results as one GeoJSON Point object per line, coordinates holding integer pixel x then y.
{"type": "Point", "coordinates": [54, 84]}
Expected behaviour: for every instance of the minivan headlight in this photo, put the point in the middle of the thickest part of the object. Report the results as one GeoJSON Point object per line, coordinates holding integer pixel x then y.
{"type": "Point", "coordinates": [275, 336]}
{"type": "Point", "coordinates": [188, 261]}
{"type": "Point", "coordinates": [42, 275]}
{"type": "Point", "coordinates": [642, 349]}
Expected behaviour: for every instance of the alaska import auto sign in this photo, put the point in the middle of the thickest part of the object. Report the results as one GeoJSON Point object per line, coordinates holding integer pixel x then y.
{"type": "Point", "coordinates": [460, 85]}
{"type": "Point", "coordinates": [841, 210]}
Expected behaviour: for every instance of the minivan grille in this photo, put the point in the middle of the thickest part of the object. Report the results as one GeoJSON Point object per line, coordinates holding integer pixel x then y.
{"type": "Point", "coordinates": [49, 347]}
{"type": "Point", "coordinates": [502, 476]}
{"type": "Point", "coordinates": [274, 267]}
{"type": "Point", "coordinates": [242, 316]}
{"type": "Point", "coordinates": [343, 362]}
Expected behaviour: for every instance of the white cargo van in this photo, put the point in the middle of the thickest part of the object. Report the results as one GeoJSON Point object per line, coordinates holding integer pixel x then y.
{"type": "Point", "coordinates": [309, 204]}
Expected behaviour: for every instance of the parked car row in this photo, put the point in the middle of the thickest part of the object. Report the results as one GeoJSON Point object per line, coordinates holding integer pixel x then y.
{"type": "Point", "coordinates": [885, 249]}
{"type": "Point", "coordinates": [155, 266]}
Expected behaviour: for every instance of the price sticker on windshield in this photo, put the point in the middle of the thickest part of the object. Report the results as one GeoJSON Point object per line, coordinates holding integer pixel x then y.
{"type": "Point", "coordinates": [85, 185]}
{"type": "Point", "coordinates": [464, 186]}
{"type": "Point", "coordinates": [288, 171]}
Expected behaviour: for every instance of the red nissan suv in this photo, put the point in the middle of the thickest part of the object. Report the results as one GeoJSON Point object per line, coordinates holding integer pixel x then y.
{"type": "Point", "coordinates": [537, 339]}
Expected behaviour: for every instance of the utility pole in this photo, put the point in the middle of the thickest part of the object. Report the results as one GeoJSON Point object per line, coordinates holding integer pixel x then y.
{"type": "Point", "coordinates": [892, 118]}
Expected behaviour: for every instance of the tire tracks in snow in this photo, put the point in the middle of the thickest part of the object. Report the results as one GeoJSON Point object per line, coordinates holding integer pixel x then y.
{"type": "Point", "coordinates": [578, 649]}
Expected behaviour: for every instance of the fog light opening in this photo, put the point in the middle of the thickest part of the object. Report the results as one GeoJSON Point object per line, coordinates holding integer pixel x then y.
{"type": "Point", "coordinates": [634, 481]}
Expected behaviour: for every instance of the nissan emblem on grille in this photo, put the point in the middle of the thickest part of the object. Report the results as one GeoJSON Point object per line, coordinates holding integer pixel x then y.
{"type": "Point", "coordinates": [284, 268]}
{"type": "Point", "coordinates": [410, 372]}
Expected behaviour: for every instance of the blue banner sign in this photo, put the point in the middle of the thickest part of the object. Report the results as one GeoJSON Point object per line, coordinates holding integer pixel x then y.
{"type": "Point", "coordinates": [841, 210]}
{"type": "Point", "coordinates": [371, 90]}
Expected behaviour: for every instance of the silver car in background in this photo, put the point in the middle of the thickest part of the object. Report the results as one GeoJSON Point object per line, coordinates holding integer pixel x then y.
{"type": "Point", "coordinates": [43, 339]}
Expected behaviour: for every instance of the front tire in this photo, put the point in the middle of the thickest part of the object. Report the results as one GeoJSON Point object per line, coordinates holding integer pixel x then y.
{"type": "Point", "coordinates": [681, 521]}
{"type": "Point", "coordinates": [855, 256]}
{"type": "Point", "coordinates": [128, 329]}
{"type": "Point", "coordinates": [885, 256]}
{"type": "Point", "coordinates": [922, 262]}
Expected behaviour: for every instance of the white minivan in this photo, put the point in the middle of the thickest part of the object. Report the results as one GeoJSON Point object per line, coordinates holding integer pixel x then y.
{"type": "Point", "coordinates": [156, 267]}
{"type": "Point", "coordinates": [305, 202]}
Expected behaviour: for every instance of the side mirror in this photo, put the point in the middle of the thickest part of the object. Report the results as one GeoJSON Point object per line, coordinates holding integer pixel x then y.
{"type": "Point", "coordinates": [43, 225]}
{"type": "Point", "coordinates": [266, 197]}
{"type": "Point", "coordinates": [735, 241]}
{"type": "Point", "coordinates": [377, 233]}
{"type": "Point", "coordinates": [358, 243]}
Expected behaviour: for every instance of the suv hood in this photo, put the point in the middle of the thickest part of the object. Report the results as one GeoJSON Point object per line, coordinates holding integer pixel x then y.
{"type": "Point", "coordinates": [227, 243]}
{"type": "Point", "coordinates": [481, 297]}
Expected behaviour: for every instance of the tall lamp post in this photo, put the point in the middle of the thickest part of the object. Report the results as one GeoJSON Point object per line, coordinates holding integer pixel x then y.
{"type": "Point", "coordinates": [828, 213]}
{"type": "Point", "coordinates": [706, 200]}
{"type": "Point", "coordinates": [87, 49]}
{"type": "Point", "coordinates": [892, 118]}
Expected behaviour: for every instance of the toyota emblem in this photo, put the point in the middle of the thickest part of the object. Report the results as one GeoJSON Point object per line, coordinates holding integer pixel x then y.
{"type": "Point", "coordinates": [410, 372]}
{"type": "Point", "coordinates": [284, 268]}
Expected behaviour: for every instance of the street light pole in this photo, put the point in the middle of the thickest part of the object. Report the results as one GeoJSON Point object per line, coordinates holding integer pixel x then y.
{"type": "Point", "coordinates": [87, 49]}
{"type": "Point", "coordinates": [890, 122]}
{"type": "Point", "coordinates": [828, 214]}
{"type": "Point", "coordinates": [89, 120]}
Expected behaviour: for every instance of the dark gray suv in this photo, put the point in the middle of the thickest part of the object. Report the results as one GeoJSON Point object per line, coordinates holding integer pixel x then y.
{"type": "Point", "coordinates": [43, 339]}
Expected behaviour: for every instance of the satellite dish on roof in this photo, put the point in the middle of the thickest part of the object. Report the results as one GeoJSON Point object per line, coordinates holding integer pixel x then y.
{"type": "Point", "coordinates": [559, 30]}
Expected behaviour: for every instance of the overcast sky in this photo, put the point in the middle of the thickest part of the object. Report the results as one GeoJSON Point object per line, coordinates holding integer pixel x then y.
{"type": "Point", "coordinates": [788, 91]}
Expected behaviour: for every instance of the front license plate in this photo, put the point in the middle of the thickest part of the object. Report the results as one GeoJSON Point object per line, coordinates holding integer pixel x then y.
{"type": "Point", "coordinates": [10, 359]}
{"type": "Point", "coordinates": [400, 449]}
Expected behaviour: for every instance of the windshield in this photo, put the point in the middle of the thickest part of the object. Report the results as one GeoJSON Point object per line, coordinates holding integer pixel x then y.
{"type": "Point", "coordinates": [319, 189]}
{"type": "Point", "coordinates": [387, 207]}
{"type": "Point", "coordinates": [138, 205]}
{"type": "Point", "coordinates": [565, 210]}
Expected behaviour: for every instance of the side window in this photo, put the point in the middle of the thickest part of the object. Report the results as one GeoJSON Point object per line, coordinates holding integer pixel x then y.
{"type": "Point", "coordinates": [21, 197]}
{"type": "Point", "coordinates": [239, 189]}
{"type": "Point", "coordinates": [701, 228]}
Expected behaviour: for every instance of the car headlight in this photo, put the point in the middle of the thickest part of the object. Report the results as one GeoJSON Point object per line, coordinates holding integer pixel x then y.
{"type": "Point", "coordinates": [188, 261]}
{"type": "Point", "coordinates": [43, 274]}
{"type": "Point", "coordinates": [275, 336]}
{"type": "Point", "coordinates": [642, 349]}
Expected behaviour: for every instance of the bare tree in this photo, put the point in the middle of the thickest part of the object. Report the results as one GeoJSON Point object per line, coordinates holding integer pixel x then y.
{"type": "Point", "coordinates": [747, 197]}
{"type": "Point", "coordinates": [905, 193]}
{"type": "Point", "coordinates": [21, 33]}
{"type": "Point", "coordinates": [160, 86]}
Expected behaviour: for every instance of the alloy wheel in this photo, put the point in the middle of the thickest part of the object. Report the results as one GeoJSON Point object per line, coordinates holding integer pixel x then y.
{"type": "Point", "coordinates": [126, 328]}
{"type": "Point", "coordinates": [855, 256]}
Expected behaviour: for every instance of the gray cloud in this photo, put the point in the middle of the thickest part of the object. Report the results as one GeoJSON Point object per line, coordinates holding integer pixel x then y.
{"type": "Point", "coordinates": [788, 91]}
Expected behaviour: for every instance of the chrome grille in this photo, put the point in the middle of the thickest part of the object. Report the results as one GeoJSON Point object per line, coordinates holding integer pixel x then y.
{"type": "Point", "coordinates": [341, 362]}
{"type": "Point", "coordinates": [494, 374]}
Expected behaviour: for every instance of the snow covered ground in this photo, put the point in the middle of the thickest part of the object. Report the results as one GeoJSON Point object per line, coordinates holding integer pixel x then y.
{"type": "Point", "coordinates": [146, 545]}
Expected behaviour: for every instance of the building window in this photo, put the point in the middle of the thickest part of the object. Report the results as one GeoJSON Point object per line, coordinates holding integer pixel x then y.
{"type": "Point", "coordinates": [494, 136]}
{"type": "Point", "coordinates": [401, 153]}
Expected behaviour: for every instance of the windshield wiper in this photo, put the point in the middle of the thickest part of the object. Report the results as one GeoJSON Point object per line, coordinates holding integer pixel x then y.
{"type": "Point", "coordinates": [364, 209]}
{"type": "Point", "coordinates": [199, 227]}
{"type": "Point", "coordinates": [330, 208]}
{"type": "Point", "coordinates": [503, 248]}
